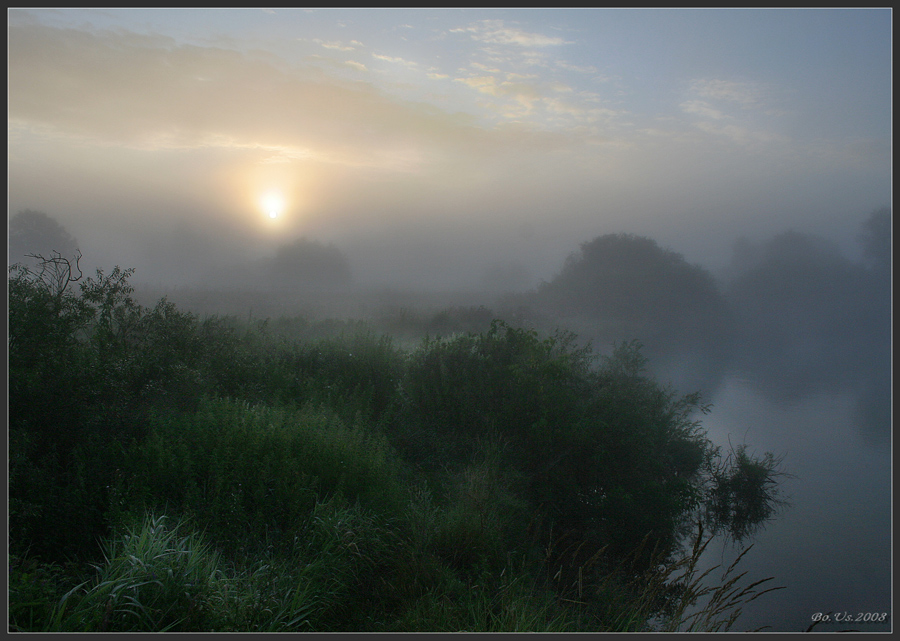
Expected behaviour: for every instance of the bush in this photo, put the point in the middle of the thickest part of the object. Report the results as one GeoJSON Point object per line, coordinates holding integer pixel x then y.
{"type": "Point", "coordinates": [153, 579]}
{"type": "Point", "coordinates": [247, 472]}
{"type": "Point", "coordinates": [347, 485]}
{"type": "Point", "coordinates": [606, 455]}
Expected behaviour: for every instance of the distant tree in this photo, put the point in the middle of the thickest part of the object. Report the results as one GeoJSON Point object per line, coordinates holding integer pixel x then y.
{"type": "Point", "coordinates": [797, 277]}
{"type": "Point", "coordinates": [34, 232]}
{"type": "Point", "coordinates": [807, 316]}
{"type": "Point", "coordinates": [876, 239]}
{"type": "Point", "coordinates": [633, 288]}
{"type": "Point", "coordinates": [511, 277]}
{"type": "Point", "coordinates": [308, 263]}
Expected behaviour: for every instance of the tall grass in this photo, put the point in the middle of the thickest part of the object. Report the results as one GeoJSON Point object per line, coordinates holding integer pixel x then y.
{"type": "Point", "coordinates": [253, 471]}
{"type": "Point", "coordinates": [710, 606]}
{"type": "Point", "coordinates": [343, 485]}
{"type": "Point", "coordinates": [675, 595]}
{"type": "Point", "coordinates": [349, 569]}
{"type": "Point", "coordinates": [154, 578]}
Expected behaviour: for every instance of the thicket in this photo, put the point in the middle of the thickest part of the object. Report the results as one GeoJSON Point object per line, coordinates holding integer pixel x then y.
{"type": "Point", "coordinates": [175, 473]}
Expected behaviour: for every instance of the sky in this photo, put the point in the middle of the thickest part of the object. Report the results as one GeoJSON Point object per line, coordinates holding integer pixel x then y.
{"type": "Point", "coordinates": [434, 144]}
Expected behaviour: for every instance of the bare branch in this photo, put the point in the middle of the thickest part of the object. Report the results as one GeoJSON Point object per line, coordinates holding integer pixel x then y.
{"type": "Point", "coordinates": [56, 272]}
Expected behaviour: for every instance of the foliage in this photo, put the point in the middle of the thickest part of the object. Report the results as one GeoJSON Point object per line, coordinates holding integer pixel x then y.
{"type": "Point", "coordinates": [483, 481]}
{"type": "Point", "coordinates": [35, 233]}
{"type": "Point", "coordinates": [35, 588]}
{"type": "Point", "coordinates": [307, 263]}
{"type": "Point", "coordinates": [605, 452]}
{"type": "Point", "coordinates": [153, 579]}
{"type": "Point", "coordinates": [627, 285]}
{"type": "Point", "coordinates": [44, 320]}
{"type": "Point", "coordinates": [247, 473]}
{"type": "Point", "coordinates": [674, 595]}
{"type": "Point", "coordinates": [356, 370]}
{"type": "Point", "coordinates": [742, 496]}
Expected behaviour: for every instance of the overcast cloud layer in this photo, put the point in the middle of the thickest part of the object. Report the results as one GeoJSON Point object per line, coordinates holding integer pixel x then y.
{"type": "Point", "coordinates": [430, 144]}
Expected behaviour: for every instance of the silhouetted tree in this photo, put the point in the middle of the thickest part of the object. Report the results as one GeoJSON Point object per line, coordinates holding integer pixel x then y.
{"type": "Point", "coordinates": [308, 263]}
{"type": "Point", "coordinates": [805, 313]}
{"type": "Point", "coordinates": [876, 240]}
{"type": "Point", "coordinates": [34, 232]}
{"type": "Point", "coordinates": [633, 288]}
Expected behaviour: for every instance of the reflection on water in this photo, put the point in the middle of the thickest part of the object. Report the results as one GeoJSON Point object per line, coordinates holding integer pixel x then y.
{"type": "Point", "coordinates": [832, 547]}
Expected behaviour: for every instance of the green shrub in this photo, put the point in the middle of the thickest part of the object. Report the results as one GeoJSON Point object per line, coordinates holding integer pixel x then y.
{"type": "Point", "coordinates": [353, 373]}
{"type": "Point", "coordinates": [248, 471]}
{"type": "Point", "coordinates": [153, 579]}
{"type": "Point", "coordinates": [34, 588]}
{"type": "Point", "coordinates": [346, 484]}
{"type": "Point", "coordinates": [484, 515]}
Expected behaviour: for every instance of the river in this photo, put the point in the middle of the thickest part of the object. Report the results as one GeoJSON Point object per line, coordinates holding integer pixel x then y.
{"type": "Point", "coordinates": [831, 548]}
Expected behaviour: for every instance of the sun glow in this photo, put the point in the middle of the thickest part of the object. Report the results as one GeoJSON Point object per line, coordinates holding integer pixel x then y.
{"type": "Point", "coordinates": [273, 204]}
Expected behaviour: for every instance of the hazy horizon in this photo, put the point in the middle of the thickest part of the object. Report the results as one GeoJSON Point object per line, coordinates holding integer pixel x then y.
{"type": "Point", "coordinates": [433, 145]}
{"type": "Point", "coordinates": [455, 156]}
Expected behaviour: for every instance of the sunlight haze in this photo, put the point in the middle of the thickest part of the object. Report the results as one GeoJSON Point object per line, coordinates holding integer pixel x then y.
{"type": "Point", "coordinates": [406, 219]}
{"type": "Point", "coordinates": [466, 136]}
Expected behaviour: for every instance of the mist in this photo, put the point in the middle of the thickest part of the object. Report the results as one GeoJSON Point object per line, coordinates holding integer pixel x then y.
{"type": "Point", "coordinates": [714, 184]}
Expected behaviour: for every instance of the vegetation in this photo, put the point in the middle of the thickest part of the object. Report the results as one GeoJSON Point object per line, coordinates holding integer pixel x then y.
{"type": "Point", "coordinates": [305, 264]}
{"type": "Point", "coordinates": [34, 231]}
{"type": "Point", "coordinates": [794, 298]}
{"type": "Point", "coordinates": [627, 285]}
{"type": "Point", "coordinates": [169, 472]}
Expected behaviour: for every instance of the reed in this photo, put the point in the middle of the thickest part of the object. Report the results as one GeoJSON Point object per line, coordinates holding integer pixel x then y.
{"type": "Point", "coordinates": [154, 578]}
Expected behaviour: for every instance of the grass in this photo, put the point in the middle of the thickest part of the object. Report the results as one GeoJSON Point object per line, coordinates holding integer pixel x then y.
{"type": "Point", "coordinates": [349, 570]}
{"type": "Point", "coordinates": [153, 578]}
{"type": "Point", "coordinates": [676, 596]}
{"type": "Point", "coordinates": [345, 485]}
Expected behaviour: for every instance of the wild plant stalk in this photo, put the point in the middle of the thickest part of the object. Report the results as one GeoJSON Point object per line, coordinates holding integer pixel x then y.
{"type": "Point", "coordinates": [673, 596]}
{"type": "Point", "coordinates": [721, 603]}
{"type": "Point", "coordinates": [153, 579]}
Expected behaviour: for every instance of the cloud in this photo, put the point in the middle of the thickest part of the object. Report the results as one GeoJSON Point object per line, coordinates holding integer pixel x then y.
{"type": "Point", "coordinates": [701, 108]}
{"type": "Point", "coordinates": [744, 93]}
{"type": "Point", "coordinates": [153, 93]}
{"type": "Point", "coordinates": [736, 111]}
{"type": "Point", "coordinates": [484, 68]}
{"type": "Point", "coordinates": [337, 45]}
{"type": "Point", "coordinates": [115, 89]}
{"type": "Point", "coordinates": [562, 107]}
{"type": "Point", "coordinates": [524, 95]}
{"type": "Point", "coordinates": [484, 84]}
{"type": "Point", "coordinates": [496, 32]}
{"type": "Point", "coordinates": [356, 65]}
{"type": "Point", "coordinates": [395, 60]}
{"type": "Point", "coordinates": [586, 69]}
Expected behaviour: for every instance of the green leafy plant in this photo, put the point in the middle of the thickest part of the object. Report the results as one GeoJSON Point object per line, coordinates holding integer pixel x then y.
{"type": "Point", "coordinates": [154, 578]}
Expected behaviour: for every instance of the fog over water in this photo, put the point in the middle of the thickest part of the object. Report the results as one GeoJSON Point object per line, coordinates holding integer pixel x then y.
{"type": "Point", "coordinates": [714, 183]}
{"type": "Point", "coordinates": [830, 548]}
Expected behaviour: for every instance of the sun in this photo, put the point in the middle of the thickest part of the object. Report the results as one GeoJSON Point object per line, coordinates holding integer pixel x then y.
{"type": "Point", "coordinates": [272, 204]}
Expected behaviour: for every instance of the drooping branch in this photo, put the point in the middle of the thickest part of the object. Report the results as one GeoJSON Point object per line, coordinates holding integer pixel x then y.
{"type": "Point", "coordinates": [57, 272]}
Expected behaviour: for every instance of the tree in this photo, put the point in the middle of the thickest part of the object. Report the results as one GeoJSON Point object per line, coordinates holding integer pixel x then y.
{"type": "Point", "coordinates": [876, 240]}
{"type": "Point", "coordinates": [629, 287]}
{"type": "Point", "coordinates": [604, 456]}
{"type": "Point", "coordinates": [808, 318]}
{"type": "Point", "coordinates": [34, 232]}
{"type": "Point", "coordinates": [309, 264]}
